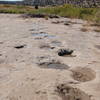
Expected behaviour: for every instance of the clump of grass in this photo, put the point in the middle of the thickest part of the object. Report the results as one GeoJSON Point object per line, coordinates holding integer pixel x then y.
{"type": "Point", "coordinates": [72, 12]}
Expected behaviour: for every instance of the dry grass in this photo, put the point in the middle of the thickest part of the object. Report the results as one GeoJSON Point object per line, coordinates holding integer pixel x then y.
{"type": "Point", "coordinates": [90, 14]}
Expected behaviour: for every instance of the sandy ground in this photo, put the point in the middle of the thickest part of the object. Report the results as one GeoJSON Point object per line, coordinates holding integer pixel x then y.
{"type": "Point", "coordinates": [27, 45]}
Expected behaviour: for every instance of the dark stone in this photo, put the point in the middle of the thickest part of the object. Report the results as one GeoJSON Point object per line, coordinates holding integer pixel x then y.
{"type": "Point", "coordinates": [36, 7]}
{"type": "Point", "coordinates": [19, 47]}
{"type": "Point", "coordinates": [63, 52]}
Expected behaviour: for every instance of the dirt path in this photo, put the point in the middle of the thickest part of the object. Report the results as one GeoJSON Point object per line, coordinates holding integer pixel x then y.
{"type": "Point", "coordinates": [29, 68]}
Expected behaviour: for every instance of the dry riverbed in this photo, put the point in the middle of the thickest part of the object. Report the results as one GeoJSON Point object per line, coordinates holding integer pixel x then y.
{"type": "Point", "coordinates": [30, 67]}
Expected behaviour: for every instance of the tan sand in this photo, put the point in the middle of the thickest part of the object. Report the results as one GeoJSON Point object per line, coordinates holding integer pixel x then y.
{"type": "Point", "coordinates": [29, 46]}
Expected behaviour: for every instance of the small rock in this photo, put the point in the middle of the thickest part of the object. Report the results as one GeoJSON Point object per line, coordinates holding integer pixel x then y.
{"type": "Point", "coordinates": [66, 23]}
{"type": "Point", "coordinates": [63, 52]}
{"type": "Point", "coordinates": [36, 7]}
{"type": "Point", "coordinates": [20, 46]}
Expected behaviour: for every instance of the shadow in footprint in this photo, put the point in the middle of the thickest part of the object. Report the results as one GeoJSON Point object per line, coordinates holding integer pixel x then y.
{"type": "Point", "coordinates": [52, 64]}
{"type": "Point", "coordinates": [57, 66]}
{"type": "Point", "coordinates": [56, 43]}
{"type": "Point", "coordinates": [46, 46]}
{"type": "Point", "coordinates": [43, 34]}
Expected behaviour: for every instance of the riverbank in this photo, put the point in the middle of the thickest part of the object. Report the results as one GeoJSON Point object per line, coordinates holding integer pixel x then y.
{"type": "Point", "coordinates": [30, 67]}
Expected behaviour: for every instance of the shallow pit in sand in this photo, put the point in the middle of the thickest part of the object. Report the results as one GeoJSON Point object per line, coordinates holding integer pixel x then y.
{"type": "Point", "coordinates": [46, 46]}
{"type": "Point", "coordinates": [53, 65]}
{"type": "Point", "coordinates": [43, 34]}
{"type": "Point", "coordinates": [67, 92]}
{"type": "Point", "coordinates": [56, 43]}
{"type": "Point", "coordinates": [97, 46]}
{"type": "Point", "coordinates": [83, 74]}
{"type": "Point", "coordinates": [57, 66]}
